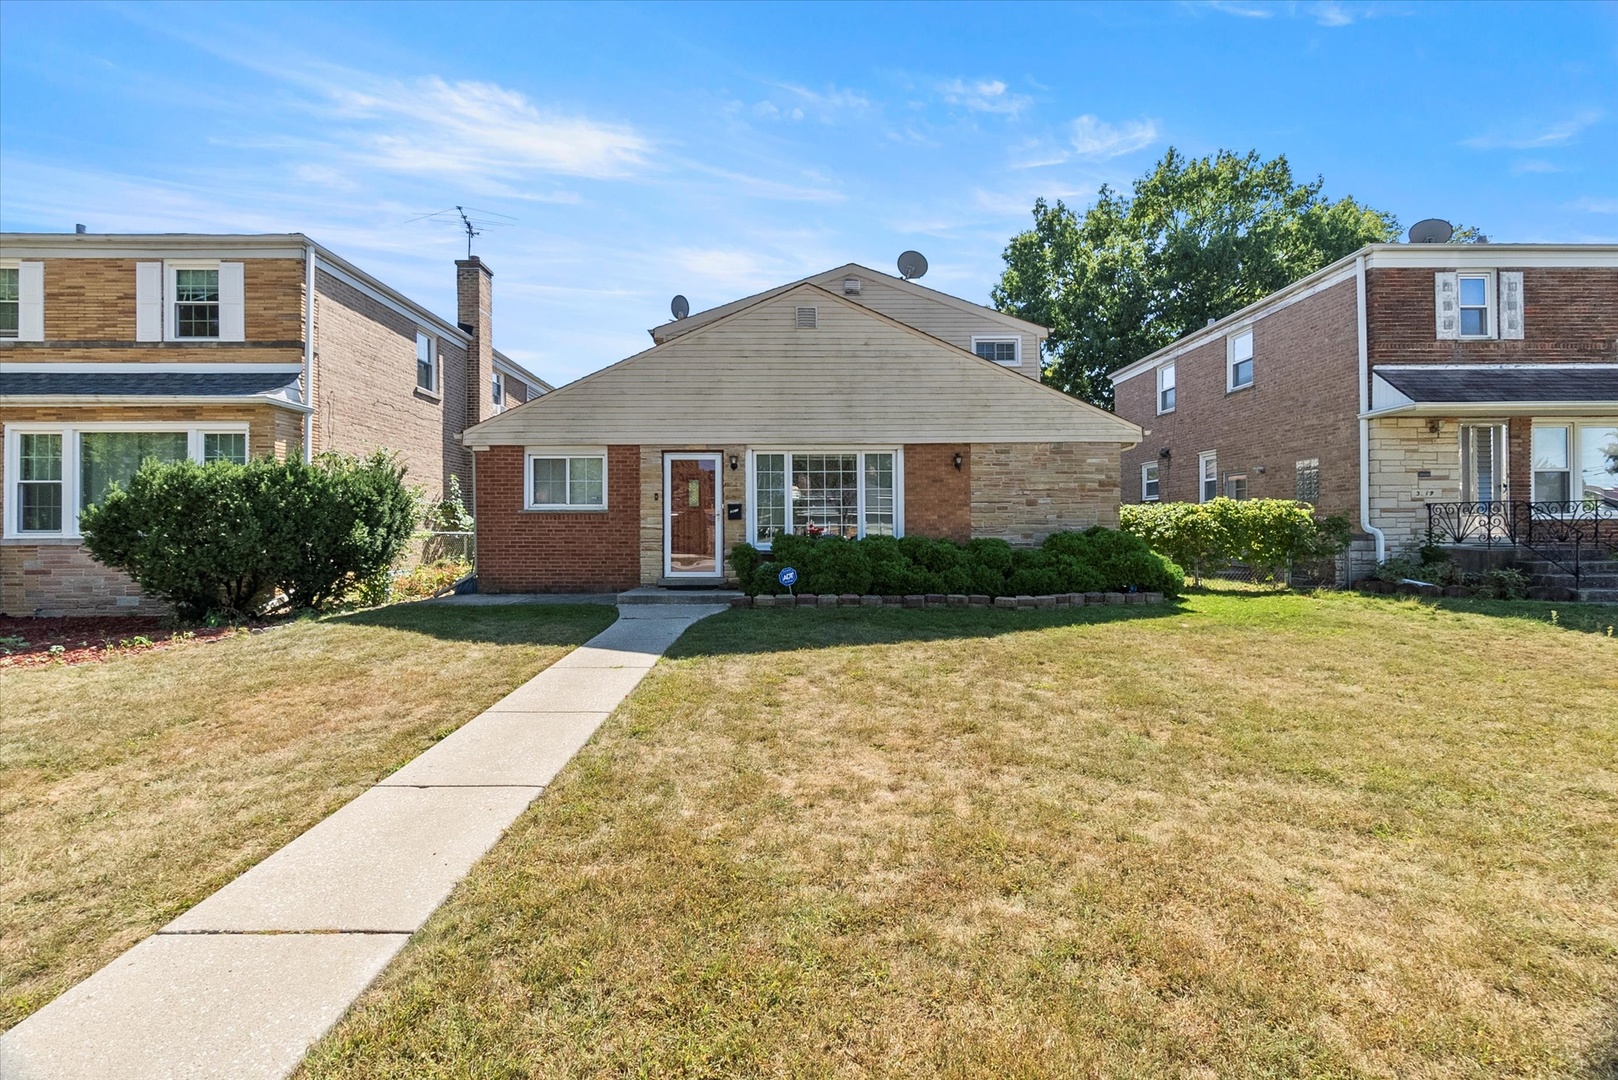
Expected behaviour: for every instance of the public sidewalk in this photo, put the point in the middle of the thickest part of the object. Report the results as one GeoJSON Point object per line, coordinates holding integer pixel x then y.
{"type": "Point", "coordinates": [244, 983]}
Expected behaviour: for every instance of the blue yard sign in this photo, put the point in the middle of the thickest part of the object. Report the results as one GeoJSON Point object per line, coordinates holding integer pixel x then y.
{"type": "Point", "coordinates": [788, 577]}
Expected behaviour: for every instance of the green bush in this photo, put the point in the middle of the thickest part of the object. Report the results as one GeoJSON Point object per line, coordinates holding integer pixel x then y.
{"type": "Point", "coordinates": [450, 514]}
{"type": "Point", "coordinates": [219, 539]}
{"type": "Point", "coordinates": [1119, 560]}
{"type": "Point", "coordinates": [836, 566]}
{"type": "Point", "coordinates": [744, 559]}
{"type": "Point", "coordinates": [1269, 535]}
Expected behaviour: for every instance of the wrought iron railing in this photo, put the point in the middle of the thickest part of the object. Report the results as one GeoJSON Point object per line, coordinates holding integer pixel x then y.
{"type": "Point", "coordinates": [1562, 533]}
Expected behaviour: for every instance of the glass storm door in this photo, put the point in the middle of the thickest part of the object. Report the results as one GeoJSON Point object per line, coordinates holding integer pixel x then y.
{"type": "Point", "coordinates": [691, 515]}
{"type": "Point", "coordinates": [1483, 462]}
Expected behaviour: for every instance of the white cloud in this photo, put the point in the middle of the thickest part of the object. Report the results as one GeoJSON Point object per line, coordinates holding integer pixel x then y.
{"type": "Point", "coordinates": [1526, 137]}
{"type": "Point", "coordinates": [1533, 165]}
{"type": "Point", "coordinates": [984, 95]}
{"type": "Point", "coordinates": [1330, 14]}
{"type": "Point", "coordinates": [1095, 138]}
{"type": "Point", "coordinates": [1596, 206]}
{"type": "Point", "coordinates": [1243, 11]}
{"type": "Point", "coordinates": [828, 106]}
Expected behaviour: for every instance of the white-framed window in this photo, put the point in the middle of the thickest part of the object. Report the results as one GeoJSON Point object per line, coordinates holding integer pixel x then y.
{"type": "Point", "coordinates": [10, 300]}
{"type": "Point", "coordinates": [1207, 476]}
{"type": "Point", "coordinates": [1236, 486]}
{"type": "Point", "coordinates": [426, 362]}
{"type": "Point", "coordinates": [196, 302]}
{"type": "Point", "coordinates": [566, 480]}
{"type": "Point", "coordinates": [1239, 361]}
{"type": "Point", "coordinates": [1306, 480]}
{"type": "Point", "coordinates": [1148, 482]}
{"type": "Point", "coordinates": [1475, 304]}
{"type": "Point", "coordinates": [53, 471]}
{"type": "Point", "coordinates": [848, 492]}
{"type": "Point", "coordinates": [22, 300]}
{"type": "Point", "coordinates": [497, 391]}
{"type": "Point", "coordinates": [1576, 462]}
{"type": "Point", "coordinates": [199, 300]}
{"type": "Point", "coordinates": [1166, 376]}
{"type": "Point", "coordinates": [1006, 351]}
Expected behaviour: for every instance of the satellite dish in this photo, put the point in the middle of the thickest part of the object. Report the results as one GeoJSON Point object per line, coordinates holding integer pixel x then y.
{"type": "Point", "coordinates": [1431, 231]}
{"type": "Point", "coordinates": [912, 265]}
{"type": "Point", "coordinates": [680, 307]}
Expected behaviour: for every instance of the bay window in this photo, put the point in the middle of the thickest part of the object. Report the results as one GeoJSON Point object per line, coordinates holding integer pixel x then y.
{"type": "Point", "coordinates": [846, 493]}
{"type": "Point", "coordinates": [55, 471]}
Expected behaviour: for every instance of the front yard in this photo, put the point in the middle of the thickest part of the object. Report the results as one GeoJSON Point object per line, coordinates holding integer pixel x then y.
{"type": "Point", "coordinates": [131, 789]}
{"type": "Point", "coordinates": [1255, 835]}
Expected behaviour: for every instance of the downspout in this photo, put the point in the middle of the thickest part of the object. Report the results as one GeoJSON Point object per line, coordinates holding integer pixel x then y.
{"type": "Point", "coordinates": [309, 352]}
{"type": "Point", "coordinates": [1365, 407]}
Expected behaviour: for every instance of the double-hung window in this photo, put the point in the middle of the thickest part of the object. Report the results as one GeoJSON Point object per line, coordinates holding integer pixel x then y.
{"type": "Point", "coordinates": [497, 391]}
{"type": "Point", "coordinates": [10, 301]}
{"type": "Point", "coordinates": [196, 303]}
{"type": "Point", "coordinates": [1475, 305]}
{"type": "Point", "coordinates": [567, 481]}
{"type": "Point", "coordinates": [846, 493]}
{"type": "Point", "coordinates": [1001, 350]}
{"type": "Point", "coordinates": [1239, 360]}
{"type": "Point", "coordinates": [1148, 482]}
{"type": "Point", "coordinates": [54, 472]}
{"type": "Point", "coordinates": [426, 363]}
{"type": "Point", "coordinates": [1208, 476]}
{"type": "Point", "coordinates": [1165, 389]}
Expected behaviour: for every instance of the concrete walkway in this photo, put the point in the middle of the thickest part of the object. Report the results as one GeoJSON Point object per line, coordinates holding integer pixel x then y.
{"type": "Point", "coordinates": [244, 983]}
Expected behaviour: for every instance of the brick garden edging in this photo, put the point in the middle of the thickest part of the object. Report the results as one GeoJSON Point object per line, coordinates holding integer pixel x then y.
{"type": "Point", "coordinates": [938, 600]}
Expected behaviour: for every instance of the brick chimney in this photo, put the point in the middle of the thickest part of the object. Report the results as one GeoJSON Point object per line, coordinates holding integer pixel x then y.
{"type": "Point", "coordinates": [474, 292]}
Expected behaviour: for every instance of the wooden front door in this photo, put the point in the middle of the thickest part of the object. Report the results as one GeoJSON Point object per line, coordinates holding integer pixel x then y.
{"type": "Point", "coordinates": [691, 515]}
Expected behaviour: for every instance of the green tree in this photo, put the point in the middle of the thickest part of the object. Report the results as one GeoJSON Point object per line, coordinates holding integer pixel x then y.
{"type": "Point", "coordinates": [1197, 239]}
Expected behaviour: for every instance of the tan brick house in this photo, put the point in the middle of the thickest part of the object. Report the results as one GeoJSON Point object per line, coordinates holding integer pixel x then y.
{"type": "Point", "coordinates": [1478, 380]}
{"type": "Point", "coordinates": [115, 348]}
{"type": "Point", "coordinates": [850, 403]}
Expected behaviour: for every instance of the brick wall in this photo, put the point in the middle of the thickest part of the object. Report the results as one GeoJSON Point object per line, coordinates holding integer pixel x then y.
{"type": "Point", "coordinates": [365, 388]}
{"type": "Point", "coordinates": [938, 497]}
{"type": "Point", "coordinates": [543, 551]}
{"type": "Point", "coordinates": [474, 293]}
{"type": "Point", "coordinates": [1303, 404]}
{"type": "Point", "coordinates": [1023, 492]}
{"type": "Point", "coordinates": [1570, 315]}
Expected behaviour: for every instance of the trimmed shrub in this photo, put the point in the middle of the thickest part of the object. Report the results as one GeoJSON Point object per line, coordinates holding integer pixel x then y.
{"type": "Point", "coordinates": [1121, 561]}
{"type": "Point", "coordinates": [219, 539]}
{"type": "Point", "coordinates": [744, 559]}
{"type": "Point", "coordinates": [1269, 535]}
{"type": "Point", "coordinates": [836, 566]}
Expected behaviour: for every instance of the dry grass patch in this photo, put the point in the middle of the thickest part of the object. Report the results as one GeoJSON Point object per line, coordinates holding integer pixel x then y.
{"type": "Point", "coordinates": [1256, 836]}
{"type": "Point", "coordinates": [132, 789]}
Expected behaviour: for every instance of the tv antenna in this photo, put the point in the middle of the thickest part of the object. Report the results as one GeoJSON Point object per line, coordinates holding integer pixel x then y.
{"type": "Point", "coordinates": [468, 219]}
{"type": "Point", "coordinates": [912, 265]}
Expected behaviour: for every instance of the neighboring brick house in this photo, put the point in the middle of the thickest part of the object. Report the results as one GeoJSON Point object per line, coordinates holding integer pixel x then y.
{"type": "Point", "coordinates": [115, 348]}
{"type": "Point", "coordinates": [850, 403]}
{"type": "Point", "coordinates": [1475, 378]}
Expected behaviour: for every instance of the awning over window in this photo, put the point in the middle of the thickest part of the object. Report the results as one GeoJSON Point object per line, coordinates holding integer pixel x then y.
{"type": "Point", "coordinates": [1436, 388]}
{"type": "Point", "coordinates": [78, 387]}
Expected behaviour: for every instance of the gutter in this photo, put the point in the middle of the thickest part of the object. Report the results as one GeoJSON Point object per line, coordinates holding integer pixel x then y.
{"type": "Point", "coordinates": [1365, 407]}
{"type": "Point", "coordinates": [309, 353]}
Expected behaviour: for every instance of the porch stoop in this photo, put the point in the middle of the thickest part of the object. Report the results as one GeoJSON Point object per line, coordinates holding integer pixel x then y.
{"type": "Point", "coordinates": [1597, 581]}
{"type": "Point", "coordinates": [651, 594]}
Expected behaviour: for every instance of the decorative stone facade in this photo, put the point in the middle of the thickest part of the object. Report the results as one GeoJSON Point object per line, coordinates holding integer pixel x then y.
{"type": "Point", "coordinates": [1023, 492]}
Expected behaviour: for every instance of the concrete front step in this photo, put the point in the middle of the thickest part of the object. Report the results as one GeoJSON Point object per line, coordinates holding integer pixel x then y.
{"type": "Point", "coordinates": [647, 594]}
{"type": "Point", "coordinates": [1598, 596]}
{"type": "Point", "coordinates": [1586, 581]}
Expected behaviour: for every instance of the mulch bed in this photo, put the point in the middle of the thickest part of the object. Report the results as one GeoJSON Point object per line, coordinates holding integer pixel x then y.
{"type": "Point", "coordinates": [26, 642]}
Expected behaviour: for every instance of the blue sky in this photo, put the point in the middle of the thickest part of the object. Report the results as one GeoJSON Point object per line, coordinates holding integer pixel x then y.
{"type": "Point", "coordinates": [719, 150]}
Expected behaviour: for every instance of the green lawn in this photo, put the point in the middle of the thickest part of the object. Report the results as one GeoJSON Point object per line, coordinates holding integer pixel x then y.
{"type": "Point", "coordinates": [132, 789]}
{"type": "Point", "coordinates": [1253, 835]}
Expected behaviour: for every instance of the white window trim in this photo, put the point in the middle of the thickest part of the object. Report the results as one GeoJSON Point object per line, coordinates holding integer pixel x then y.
{"type": "Point", "coordinates": [1202, 475]}
{"type": "Point", "coordinates": [24, 315]}
{"type": "Point", "coordinates": [1015, 339]}
{"type": "Point", "coordinates": [497, 387]}
{"type": "Point", "coordinates": [1146, 467]}
{"type": "Point", "coordinates": [751, 496]}
{"type": "Point", "coordinates": [433, 362]}
{"type": "Point", "coordinates": [1230, 360]}
{"type": "Point", "coordinates": [70, 464]}
{"type": "Point", "coordinates": [533, 452]}
{"type": "Point", "coordinates": [1491, 306]}
{"type": "Point", "coordinates": [1575, 451]}
{"type": "Point", "coordinates": [1162, 368]}
{"type": "Point", "coordinates": [171, 294]}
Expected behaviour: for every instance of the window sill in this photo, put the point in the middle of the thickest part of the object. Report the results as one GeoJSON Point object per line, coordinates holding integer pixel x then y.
{"type": "Point", "coordinates": [1169, 412]}
{"type": "Point", "coordinates": [1229, 390]}
{"type": "Point", "coordinates": [564, 509]}
{"type": "Point", "coordinates": [42, 540]}
{"type": "Point", "coordinates": [429, 395]}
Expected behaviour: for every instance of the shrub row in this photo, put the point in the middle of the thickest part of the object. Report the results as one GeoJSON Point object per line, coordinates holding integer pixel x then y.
{"type": "Point", "coordinates": [1268, 535]}
{"type": "Point", "coordinates": [1096, 560]}
{"type": "Point", "coordinates": [221, 539]}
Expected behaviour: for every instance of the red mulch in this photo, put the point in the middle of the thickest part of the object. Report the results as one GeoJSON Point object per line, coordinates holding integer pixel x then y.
{"type": "Point", "coordinates": [91, 639]}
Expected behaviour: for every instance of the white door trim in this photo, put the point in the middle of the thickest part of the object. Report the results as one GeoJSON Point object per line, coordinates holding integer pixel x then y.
{"type": "Point", "coordinates": [718, 460]}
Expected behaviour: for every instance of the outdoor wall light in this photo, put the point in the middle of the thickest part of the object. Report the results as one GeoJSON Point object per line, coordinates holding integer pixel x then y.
{"type": "Point", "coordinates": [1164, 453]}
{"type": "Point", "coordinates": [733, 461]}
{"type": "Point", "coordinates": [958, 460]}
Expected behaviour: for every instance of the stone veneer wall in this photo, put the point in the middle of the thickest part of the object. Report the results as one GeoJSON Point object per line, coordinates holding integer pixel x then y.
{"type": "Point", "coordinates": [1023, 492]}
{"type": "Point", "coordinates": [1402, 447]}
{"type": "Point", "coordinates": [732, 488]}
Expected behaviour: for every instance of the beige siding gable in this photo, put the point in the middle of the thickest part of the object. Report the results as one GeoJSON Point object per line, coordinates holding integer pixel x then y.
{"type": "Point", "coordinates": [753, 377]}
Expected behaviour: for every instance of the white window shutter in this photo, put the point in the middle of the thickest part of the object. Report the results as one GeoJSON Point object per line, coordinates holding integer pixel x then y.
{"type": "Point", "coordinates": [148, 301]}
{"type": "Point", "coordinates": [31, 301]}
{"type": "Point", "coordinates": [1511, 305]}
{"type": "Point", "coordinates": [1446, 302]}
{"type": "Point", "coordinates": [232, 303]}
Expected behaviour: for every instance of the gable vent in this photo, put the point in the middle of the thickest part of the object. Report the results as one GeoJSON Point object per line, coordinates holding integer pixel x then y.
{"type": "Point", "coordinates": [851, 286]}
{"type": "Point", "coordinates": [806, 318]}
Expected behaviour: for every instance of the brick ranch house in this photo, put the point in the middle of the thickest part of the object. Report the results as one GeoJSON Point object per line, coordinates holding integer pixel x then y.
{"type": "Point", "coordinates": [1476, 383]}
{"type": "Point", "coordinates": [849, 403]}
{"type": "Point", "coordinates": [115, 348]}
